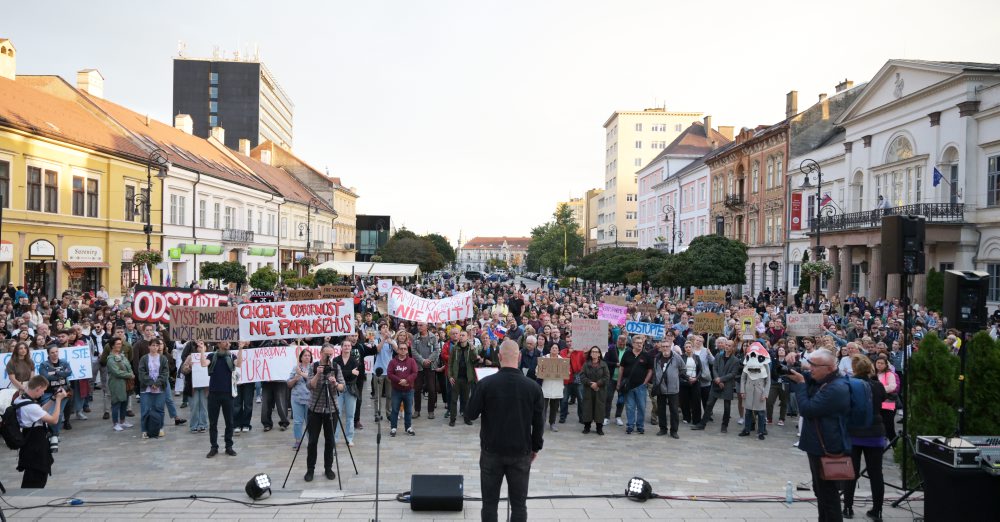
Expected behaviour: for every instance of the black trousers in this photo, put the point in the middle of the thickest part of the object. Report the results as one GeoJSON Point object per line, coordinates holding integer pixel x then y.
{"type": "Point", "coordinates": [274, 395]}
{"type": "Point", "coordinates": [662, 401]}
{"type": "Point", "coordinates": [690, 396]}
{"type": "Point", "coordinates": [220, 401]}
{"type": "Point", "coordinates": [426, 380]}
{"type": "Point", "coordinates": [459, 390]}
{"type": "Point", "coordinates": [827, 494]}
{"type": "Point", "coordinates": [727, 406]}
{"type": "Point", "coordinates": [873, 461]}
{"type": "Point", "coordinates": [357, 407]}
{"type": "Point", "coordinates": [492, 470]}
{"type": "Point", "coordinates": [317, 422]}
{"type": "Point", "coordinates": [34, 478]}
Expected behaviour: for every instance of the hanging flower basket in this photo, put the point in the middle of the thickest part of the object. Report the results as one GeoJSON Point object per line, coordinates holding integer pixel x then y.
{"type": "Point", "coordinates": [816, 269]}
{"type": "Point", "coordinates": [307, 261]}
{"type": "Point", "coordinates": [147, 257]}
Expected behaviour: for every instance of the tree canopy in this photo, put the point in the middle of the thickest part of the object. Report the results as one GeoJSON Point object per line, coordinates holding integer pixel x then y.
{"type": "Point", "coordinates": [441, 245]}
{"type": "Point", "coordinates": [415, 250]}
{"type": "Point", "coordinates": [555, 244]}
{"type": "Point", "coordinates": [265, 278]}
{"type": "Point", "coordinates": [227, 272]}
{"type": "Point", "coordinates": [326, 276]}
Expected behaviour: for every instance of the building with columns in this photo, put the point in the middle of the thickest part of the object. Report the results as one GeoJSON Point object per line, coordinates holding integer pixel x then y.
{"type": "Point", "coordinates": [913, 119]}
{"type": "Point", "coordinates": [478, 251]}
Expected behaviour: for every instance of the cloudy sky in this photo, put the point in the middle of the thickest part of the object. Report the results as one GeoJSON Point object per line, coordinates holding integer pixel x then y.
{"type": "Point", "coordinates": [478, 116]}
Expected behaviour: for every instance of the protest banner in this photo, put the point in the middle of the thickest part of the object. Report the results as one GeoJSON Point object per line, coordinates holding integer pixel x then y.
{"type": "Point", "coordinates": [482, 373]}
{"type": "Point", "coordinates": [207, 323]}
{"type": "Point", "coordinates": [656, 331]}
{"type": "Point", "coordinates": [709, 322]}
{"type": "Point", "coordinates": [709, 300]}
{"type": "Point", "coordinates": [804, 324]}
{"type": "Point", "coordinates": [78, 358]}
{"type": "Point", "coordinates": [410, 307]}
{"type": "Point", "coordinates": [304, 294]}
{"type": "Point", "coordinates": [337, 292]}
{"type": "Point", "coordinates": [151, 304]}
{"type": "Point", "coordinates": [291, 319]}
{"type": "Point", "coordinates": [747, 318]}
{"type": "Point", "coordinates": [616, 300]}
{"type": "Point", "coordinates": [199, 373]}
{"type": "Point", "coordinates": [648, 310]}
{"type": "Point", "coordinates": [270, 363]}
{"type": "Point", "coordinates": [613, 314]}
{"type": "Point", "coordinates": [588, 333]}
{"type": "Point", "coordinates": [384, 286]}
{"type": "Point", "coordinates": [552, 368]}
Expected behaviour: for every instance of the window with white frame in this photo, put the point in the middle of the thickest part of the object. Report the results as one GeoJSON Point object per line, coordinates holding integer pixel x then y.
{"type": "Point", "coordinates": [228, 218]}
{"type": "Point", "coordinates": [679, 127]}
{"type": "Point", "coordinates": [202, 212]}
{"type": "Point", "coordinates": [993, 294]}
{"type": "Point", "coordinates": [638, 127]}
{"type": "Point", "coordinates": [796, 267]}
{"type": "Point", "coordinates": [173, 209]}
{"type": "Point", "coordinates": [993, 181]}
{"type": "Point", "coordinates": [638, 162]}
{"type": "Point", "coordinates": [284, 227]}
{"type": "Point", "coordinates": [779, 171]}
{"type": "Point", "coordinates": [755, 177]}
{"type": "Point", "coordinates": [638, 144]}
{"type": "Point", "coordinates": [216, 212]}
{"type": "Point", "coordinates": [770, 172]}
{"type": "Point", "coordinates": [249, 219]}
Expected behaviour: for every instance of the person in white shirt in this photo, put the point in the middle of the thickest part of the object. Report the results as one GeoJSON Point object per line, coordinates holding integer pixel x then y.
{"type": "Point", "coordinates": [35, 457]}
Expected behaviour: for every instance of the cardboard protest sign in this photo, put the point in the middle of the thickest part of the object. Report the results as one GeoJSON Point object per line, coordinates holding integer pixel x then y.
{"type": "Point", "coordinates": [304, 294]}
{"type": "Point", "coordinates": [589, 332]}
{"type": "Point", "coordinates": [615, 300]}
{"type": "Point", "coordinates": [709, 300]}
{"type": "Point", "coordinates": [337, 292]}
{"type": "Point", "coordinates": [151, 304]}
{"type": "Point", "coordinates": [648, 310]}
{"type": "Point", "coordinates": [804, 324]}
{"type": "Point", "coordinates": [552, 368]}
{"type": "Point", "coordinates": [613, 314]}
{"type": "Point", "coordinates": [384, 285]}
{"type": "Point", "coordinates": [482, 373]}
{"type": "Point", "coordinates": [410, 307]}
{"type": "Point", "coordinates": [199, 373]}
{"type": "Point", "coordinates": [78, 358]}
{"type": "Point", "coordinates": [656, 331]}
{"type": "Point", "coordinates": [207, 323]}
{"type": "Point", "coordinates": [709, 322]}
{"type": "Point", "coordinates": [271, 363]}
{"type": "Point", "coordinates": [292, 319]}
{"type": "Point", "coordinates": [747, 320]}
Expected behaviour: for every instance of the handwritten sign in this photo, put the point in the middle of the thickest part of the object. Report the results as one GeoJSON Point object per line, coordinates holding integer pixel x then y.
{"type": "Point", "coordinates": [291, 319]}
{"type": "Point", "coordinates": [617, 300]}
{"type": "Point", "coordinates": [270, 363]}
{"type": "Point", "coordinates": [709, 300]}
{"type": "Point", "coordinates": [656, 331]}
{"type": "Point", "coordinates": [338, 292]}
{"type": "Point", "coordinates": [384, 286]}
{"type": "Point", "coordinates": [199, 373]}
{"type": "Point", "coordinates": [410, 307]}
{"type": "Point", "coordinates": [552, 368]}
{"type": "Point", "coordinates": [804, 324]}
{"type": "Point", "coordinates": [613, 314]}
{"type": "Point", "coordinates": [482, 373]}
{"type": "Point", "coordinates": [152, 304]}
{"type": "Point", "coordinates": [588, 333]}
{"type": "Point", "coordinates": [78, 358]}
{"type": "Point", "coordinates": [709, 322]}
{"type": "Point", "coordinates": [747, 319]}
{"type": "Point", "coordinates": [207, 323]}
{"type": "Point", "coordinates": [304, 294]}
{"type": "Point", "coordinates": [648, 310]}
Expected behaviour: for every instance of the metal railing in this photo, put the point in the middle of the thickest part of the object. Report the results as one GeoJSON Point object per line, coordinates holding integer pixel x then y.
{"type": "Point", "coordinates": [236, 235]}
{"type": "Point", "coordinates": [733, 200]}
{"type": "Point", "coordinates": [318, 244]}
{"type": "Point", "coordinates": [934, 212]}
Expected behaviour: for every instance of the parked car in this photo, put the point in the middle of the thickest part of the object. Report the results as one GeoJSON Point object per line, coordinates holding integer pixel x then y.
{"type": "Point", "coordinates": [474, 275]}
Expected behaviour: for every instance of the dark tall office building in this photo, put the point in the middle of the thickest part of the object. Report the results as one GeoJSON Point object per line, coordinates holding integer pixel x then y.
{"type": "Point", "coordinates": [373, 234]}
{"type": "Point", "coordinates": [242, 97]}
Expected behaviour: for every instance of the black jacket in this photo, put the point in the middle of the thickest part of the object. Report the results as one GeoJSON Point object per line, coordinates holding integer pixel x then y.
{"type": "Point", "coordinates": [511, 405]}
{"type": "Point", "coordinates": [876, 428]}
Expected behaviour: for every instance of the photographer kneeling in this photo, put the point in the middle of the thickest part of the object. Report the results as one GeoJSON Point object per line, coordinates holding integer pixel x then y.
{"type": "Point", "coordinates": [35, 457]}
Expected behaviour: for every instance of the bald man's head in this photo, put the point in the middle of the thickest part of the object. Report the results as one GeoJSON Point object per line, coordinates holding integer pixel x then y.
{"type": "Point", "coordinates": [510, 354]}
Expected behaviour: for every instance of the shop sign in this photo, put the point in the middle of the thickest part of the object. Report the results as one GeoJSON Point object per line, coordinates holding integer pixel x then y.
{"type": "Point", "coordinates": [85, 253]}
{"type": "Point", "coordinates": [127, 254]}
{"type": "Point", "coordinates": [42, 248]}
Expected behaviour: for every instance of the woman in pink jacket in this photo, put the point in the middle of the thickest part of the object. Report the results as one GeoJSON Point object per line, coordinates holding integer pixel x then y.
{"type": "Point", "coordinates": [402, 371]}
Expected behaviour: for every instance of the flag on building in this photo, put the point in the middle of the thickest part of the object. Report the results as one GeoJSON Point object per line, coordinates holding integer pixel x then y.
{"type": "Point", "coordinates": [937, 177]}
{"type": "Point", "coordinates": [826, 200]}
{"type": "Point", "coordinates": [146, 278]}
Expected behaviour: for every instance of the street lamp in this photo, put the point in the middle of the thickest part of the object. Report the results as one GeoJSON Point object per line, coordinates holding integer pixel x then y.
{"type": "Point", "coordinates": [807, 167]}
{"type": "Point", "coordinates": [310, 208]}
{"type": "Point", "coordinates": [670, 213]}
{"type": "Point", "coordinates": [157, 159]}
{"type": "Point", "coordinates": [614, 232]}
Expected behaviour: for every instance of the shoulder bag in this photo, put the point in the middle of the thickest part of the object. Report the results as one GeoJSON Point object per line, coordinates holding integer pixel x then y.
{"type": "Point", "coordinates": [833, 467]}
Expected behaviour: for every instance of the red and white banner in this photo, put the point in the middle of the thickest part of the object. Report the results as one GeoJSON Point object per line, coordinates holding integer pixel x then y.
{"type": "Point", "coordinates": [796, 211]}
{"type": "Point", "coordinates": [410, 307]}
{"type": "Point", "coordinates": [151, 304]}
{"type": "Point", "coordinates": [294, 319]}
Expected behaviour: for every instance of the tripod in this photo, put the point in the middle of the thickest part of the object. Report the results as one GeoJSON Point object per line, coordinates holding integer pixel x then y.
{"type": "Point", "coordinates": [324, 382]}
{"type": "Point", "coordinates": [378, 443]}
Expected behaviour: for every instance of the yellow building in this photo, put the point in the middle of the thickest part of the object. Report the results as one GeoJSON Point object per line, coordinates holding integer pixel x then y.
{"type": "Point", "coordinates": [66, 172]}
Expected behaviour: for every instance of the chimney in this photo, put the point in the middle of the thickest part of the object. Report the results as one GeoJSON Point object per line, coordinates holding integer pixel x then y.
{"type": "Point", "coordinates": [824, 106]}
{"type": "Point", "coordinates": [219, 133]}
{"type": "Point", "coordinates": [8, 62]}
{"type": "Point", "coordinates": [727, 131]}
{"type": "Point", "coordinates": [708, 126]}
{"type": "Point", "coordinates": [791, 104]}
{"type": "Point", "coordinates": [184, 123]}
{"type": "Point", "coordinates": [244, 146]}
{"type": "Point", "coordinates": [91, 82]}
{"type": "Point", "coordinates": [844, 85]}
{"type": "Point", "coordinates": [265, 156]}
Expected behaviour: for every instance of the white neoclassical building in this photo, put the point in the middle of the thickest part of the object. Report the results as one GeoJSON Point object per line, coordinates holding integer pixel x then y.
{"type": "Point", "coordinates": [477, 252]}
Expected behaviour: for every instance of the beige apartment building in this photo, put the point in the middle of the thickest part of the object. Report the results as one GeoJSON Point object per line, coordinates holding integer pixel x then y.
{"type": "Point", "coordinates": [633, 139]}
{"type": "Point", "coordinates": [589, 229]}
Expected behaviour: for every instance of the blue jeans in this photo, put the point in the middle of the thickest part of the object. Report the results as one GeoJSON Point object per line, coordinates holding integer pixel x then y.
{"type": "Point", "coordinates": [299, 412]}
{"type": "Point", "coordinates": [406, 398]}
{"type": "Point", "coordinates": [170, 402]}
{"type": "Point", "coordinates": [635, 407]}
{"type": "Point", "coordinates": [571, 390]}
{"type": "Point", "coordinates": [748, 416]}
{"type": "Point", "coordinates": [78, 401]}
{"type": "Point", "coordinates": [118, 411]}
{"type": "Point", "coordinates": [346, 403]}
{"type": "Point", "coordinates": [152, 412]}
{"type": "Point", "coordinates": [54, 428]}
{"type": "Point", "coordinates": [199, 409]}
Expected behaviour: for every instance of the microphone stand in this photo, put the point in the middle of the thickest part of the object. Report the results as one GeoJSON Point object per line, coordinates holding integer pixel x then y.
{"type": "Point", "coordinates": [378, 443]}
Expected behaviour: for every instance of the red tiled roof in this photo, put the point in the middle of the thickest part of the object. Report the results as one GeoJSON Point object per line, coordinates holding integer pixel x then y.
{"type": "Point", "coordinates": [276, 149]}
{"type": "Point", "coordinates": [288, 185]}
{"type": "Point", "coordinates": [48, 106]}
{"type": "Point", "coordinates": [483, 242]}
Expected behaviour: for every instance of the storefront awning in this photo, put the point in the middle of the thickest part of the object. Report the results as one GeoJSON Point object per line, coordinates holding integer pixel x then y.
{"type": "Point", "coordinates": [77, 265]}
{"type": "Point", "coordinates": [262, 251]}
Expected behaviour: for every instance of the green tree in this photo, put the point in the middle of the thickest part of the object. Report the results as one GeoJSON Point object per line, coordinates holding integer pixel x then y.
{"type": "Point", "coordinates": [804, 282]}
{"type": "Point", "coordinates": [229, 272]}
{"type": "Point", "coordinates": [412, 250]}
{"type": "Point", "coordinates": [555, 244]}
{"type": "Point", "coordinates": [289, 277]}
{"type": "Point", "coordinates": [326, 276]}
{"type": "Point", "coordinates": [265, 278]}
{"type": "Point", "coordinates": [622, 265]}
{"type": "Point", "coordinates": [442, 246]}
{"type": "Point", "coordinates": [935, 290]}
{"type": "Point", "coordinates": [403, 233]}
{"type": "Point", "coordinates": [496, 264]}
{"type": "Point", "coordinates": [982, 386]}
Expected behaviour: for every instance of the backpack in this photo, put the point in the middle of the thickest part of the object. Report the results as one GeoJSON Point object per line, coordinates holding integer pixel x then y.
{"type": "Point", "coordinates": [10, 427]}
{"type": "Point", "coordinates": [860, 415]}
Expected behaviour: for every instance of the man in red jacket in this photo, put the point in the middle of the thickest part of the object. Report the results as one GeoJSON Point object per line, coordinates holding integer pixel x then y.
{"type": "Point", "coordinates": [402, 371]}
{"type": "Point", "coordinates": [577, 358]}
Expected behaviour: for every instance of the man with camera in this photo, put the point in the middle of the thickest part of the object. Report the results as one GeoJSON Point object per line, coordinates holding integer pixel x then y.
{"type": "Point", "coordinates": [326, 382]}
{"type": "Point", "coordinates": [35, 456]}
{"type": "Point", "coordinates": [57, 372]}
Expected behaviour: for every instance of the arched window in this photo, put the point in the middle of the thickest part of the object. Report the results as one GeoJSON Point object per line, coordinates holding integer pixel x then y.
{"type": "Point", "coordinates": [779, 171]}
{"type": "Point", "coordinates": [949, 169]}
{"type": "Point", "coordinates": [770, 172]}
{"type": "Point", "coordinates": [729, 183]}
{"type": "Point", "coordinates": [899, 149]}
{"type": "Point", "coordinates": [858, 191]}
{"type": "Point", "coordinates": [755, 173]}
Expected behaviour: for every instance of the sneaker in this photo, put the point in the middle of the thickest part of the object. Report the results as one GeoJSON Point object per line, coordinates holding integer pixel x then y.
{"type": "Point", "coordinates": [257, 400]}
{"type": "Point", "coordinates": [67, 425]}
{"type": "Point", "coordinates": [781, 423]}
{"type": "Point", "coordinates": [179, 421]}
{"type": "Point", "coordinates": [760, 436]}
{"type": "Point", "coordinates": [562, 420]}
{"type": "Point", "coordinates": [118, 427]}
{"type": "Point", "coordinates": [106, 416]}
{"type": "Point", "coordinates": [416, 415]}
{"type": "Point", "coordinates": [201, 430]}
{"type": "Point", "coordinates": [553, 427]}
{"type": "Point", "coordinates": [628, 431]}
{"type": "Point", "coordinates": [430, 415]}
{"type": "Point", "coordinates": [351, 444]}
{"type": "Point", "coordinates": [640, 431]}
{"type": "Point", "coordinates": [184, 405]}
{"type": "Point", "coordinates": [267, 429]}
{"type": "Point", "coordinates": [698, 427]}
{"type": "Point", "coordinates": [86, 409]}
{"type": "Point", "coordinates": [739, 421]}
{"type": "Point", "coordinates": [392, 432]}
{"type": "Point", "coordinates": [80, 415]}
{"type": "Point", "coordinates": [770, 421]}
{"type": "Point", "coordinates": [744, 434]}
{"type": "Point", "coordinates": [162, 434]}
{"type": "Point", "coordinates": [145, 436]}
{"type": "Point", "coordinates": [618, 421]}
{"type": "Point", "coordinates": [606, 420]}
{"type": "Point", "coordinates": [674, 436]}
{"type": "Point", "coordinates": [409, 431]}
{"type": "Point", "coordinates": [127, 425]}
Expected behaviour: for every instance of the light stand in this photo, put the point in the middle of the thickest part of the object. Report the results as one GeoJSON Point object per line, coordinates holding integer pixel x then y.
{"type": "Point", "coordinates": [378, 443]}
{"type": "Point", "coordinates": [907, 444]}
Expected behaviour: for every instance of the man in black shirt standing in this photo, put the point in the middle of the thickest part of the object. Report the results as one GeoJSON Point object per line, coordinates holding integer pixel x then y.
{"type": "Point", "coordinates": [511, 433]}
{"type": "Point", "coordinates": [635, 371]}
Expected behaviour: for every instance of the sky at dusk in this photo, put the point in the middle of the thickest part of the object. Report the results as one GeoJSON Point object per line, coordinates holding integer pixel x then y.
{"type": "Point", "coordinates": [478, 116]}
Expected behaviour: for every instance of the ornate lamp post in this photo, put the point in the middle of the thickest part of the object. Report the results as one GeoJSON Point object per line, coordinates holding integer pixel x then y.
{"type": "Point", "coordinates": [614, 232]}
{"type": "Point", "coordinates": [670, 214]}
{"type": "Point", "coordinates": [807, 167]}
{"type": "Point", "coordinates": [157, 159]}
{"type": "Point", "coordinates": [308, 226]}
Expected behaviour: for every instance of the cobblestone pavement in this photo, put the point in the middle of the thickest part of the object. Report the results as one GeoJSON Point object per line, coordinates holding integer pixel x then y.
{"type": "Point", "coordinates": [95, 463]}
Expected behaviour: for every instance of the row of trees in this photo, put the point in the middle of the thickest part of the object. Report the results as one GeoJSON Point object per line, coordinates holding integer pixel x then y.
{"type": "Point", "coordinates": [557, 244]}
{"type": "Point", "coordinates": [432, 251]}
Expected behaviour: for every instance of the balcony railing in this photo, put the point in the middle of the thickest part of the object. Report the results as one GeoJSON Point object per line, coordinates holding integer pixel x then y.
{"type": "Point", "coordinates": [734, 200]}
{"type": "Point", "coordinates": [947, 213]}
{"type": "Point", "coordinates": [235, 235]}
{"type": "Point", "coordinates": [318, 244]}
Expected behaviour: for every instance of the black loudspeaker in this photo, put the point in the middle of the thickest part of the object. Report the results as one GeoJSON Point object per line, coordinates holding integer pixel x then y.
{"type": "Point", "coordinates": [903, 244]}
{"type": "Point", "coordinates": [965, 300]}
{"type": "Point", "coordinates": [436, 492]}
